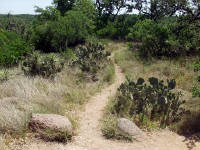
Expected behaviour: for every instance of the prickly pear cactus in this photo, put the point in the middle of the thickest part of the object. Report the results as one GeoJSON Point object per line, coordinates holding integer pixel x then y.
{"type": "Point", "coordinates": [153, 101]}
{"type": "Point", "coordinates": [91, 58]}
{"type": "Point", "coordinates": [45, 66]}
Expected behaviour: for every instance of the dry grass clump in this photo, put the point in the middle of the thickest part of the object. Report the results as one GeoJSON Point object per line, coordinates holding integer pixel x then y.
{"type": "Point", "coordinates": [3, 146]}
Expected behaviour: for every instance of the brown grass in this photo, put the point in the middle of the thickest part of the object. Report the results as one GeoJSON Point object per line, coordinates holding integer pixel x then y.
{"type": "Point", "coordinates": [21, 96]}
{"type": "Point", "coordinates": [3, 145]}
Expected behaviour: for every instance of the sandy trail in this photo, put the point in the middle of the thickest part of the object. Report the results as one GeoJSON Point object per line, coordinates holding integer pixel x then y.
{"type": "Point", "coordinates": [90, 136]}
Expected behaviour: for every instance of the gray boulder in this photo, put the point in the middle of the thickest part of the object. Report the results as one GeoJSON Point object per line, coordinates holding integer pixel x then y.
{"type": "Point", "coordinates": [129, 128]}
{"type": "Point", "coordinates": [51, 126]}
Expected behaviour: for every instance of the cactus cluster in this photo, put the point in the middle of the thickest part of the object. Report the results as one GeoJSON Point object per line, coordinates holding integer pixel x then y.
{"type": "Point", "coordinates": [91, 58]}
{"type": "Point", "coordinates": [46, 66]}
{"type": "Point", "coordinates": [154, 101]}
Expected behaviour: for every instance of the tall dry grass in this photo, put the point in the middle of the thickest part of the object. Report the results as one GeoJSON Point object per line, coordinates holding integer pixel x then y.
{"type": "Point", "coordinates": [3, 145]}
{"type": "Point", "coordinates": [21, 96]}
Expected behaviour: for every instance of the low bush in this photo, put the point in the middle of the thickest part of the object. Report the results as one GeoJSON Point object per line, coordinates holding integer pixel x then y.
{"type": "Point", "coordinates": [12, 48]}
{"type": "Point", "coordinates": [196, 91]}
{"type": "Point", "coordinates": [45, 66]}
{"type": "Point", "coordinates": [197, 65]}
{"type": "Point", "coordinates": [149, 102]}
{"type": "Point", "coordinates": [119, 28]}
{"type": "Point", "coordinates": [153, 36]}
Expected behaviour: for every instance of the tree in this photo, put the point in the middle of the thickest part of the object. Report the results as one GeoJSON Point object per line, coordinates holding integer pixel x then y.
{"type": "Point", "coordinates": [191, 8]}
{"type": "Point", "coordinates": [110, 7]}
{"type": "Point", "coordinates": [48, 14]}
{"type": "Point", "coordinates": [54, 36]}
{"type": "Point", "coordinates": [63, 5]}
{"type": "Point", "coordinates": [87, 7]}
{"type": "Point", "coordinates": [156, 9]}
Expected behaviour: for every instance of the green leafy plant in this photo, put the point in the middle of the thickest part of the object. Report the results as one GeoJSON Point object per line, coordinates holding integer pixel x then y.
{"type": "Point", "coordinates": [170, 39]}
{"type": "Point", "coordinates": [12, 48]}
{"type": "Point", "coordinates": [197, 65]}
{"type": "Point", "coordinates": [149, 102]}
{"type": "Point", "coordinates": [46, 66]}
{"type": "Point", "coordinates": [198, 78]}
{"type": "Point", "coordinates": [59, 34]}
{"type": "Point", "coordinates": [196, 91]}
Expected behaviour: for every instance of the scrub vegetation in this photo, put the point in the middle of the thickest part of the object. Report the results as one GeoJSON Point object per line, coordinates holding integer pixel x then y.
{"type": "Point", "coordinates": [54, 61]}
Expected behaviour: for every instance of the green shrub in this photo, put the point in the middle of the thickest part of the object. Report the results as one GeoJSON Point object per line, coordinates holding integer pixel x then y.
{"type": "Point", "coordinates": [198, 78]}
{"type": "Point", "coordinates": [118, 29]}
{"type": "Point", "coordinates": [152, 102]}
{"type": "Point", "coordinates": [46, 66]}
{"type": "Point", "coordinates": [186, 34]}
{"type": "Point", "coordinates": [165, 39]}
{"type": "Point", "coordinates": [108, 31]}
{"type": "Point", "coordinates": [56, 36]}
{"type": "Point", "coordinates": [91, 58]}
{"type": "Point", "coordinates": [153, 36]}
{"type": "Point", "coordinates": [68, 55]}
{"type": "Point", "coordinates": [196, 91]}
{"type": "Point", "coordinates": [130, 46]}
{"type": "Point", "coordinates": [197, 65]}
{"type": "Point", "coordinates": [12, 48]}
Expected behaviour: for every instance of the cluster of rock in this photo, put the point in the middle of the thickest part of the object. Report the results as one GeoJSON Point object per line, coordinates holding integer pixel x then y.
{"type": "Point", "coordinates": [56, 127]}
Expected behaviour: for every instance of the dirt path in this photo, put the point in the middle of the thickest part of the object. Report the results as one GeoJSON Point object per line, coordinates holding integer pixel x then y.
{"type": "Point", "coordinates": [90, 136]}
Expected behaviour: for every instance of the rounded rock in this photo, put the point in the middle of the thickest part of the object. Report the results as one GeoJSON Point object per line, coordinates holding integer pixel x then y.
{"type": "Point", "coordinates": [129, 128]}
